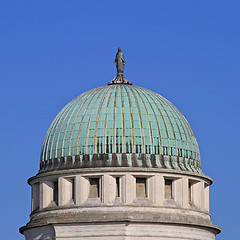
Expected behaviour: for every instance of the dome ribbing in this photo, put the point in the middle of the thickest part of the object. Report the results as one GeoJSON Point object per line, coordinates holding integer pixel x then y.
{"type": "Point", "coordinates": [120, 125]}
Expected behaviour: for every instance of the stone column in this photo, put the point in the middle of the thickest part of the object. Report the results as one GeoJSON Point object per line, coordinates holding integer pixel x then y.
{"type": "Point", "coordinates": [130, 189]}
{"type": "Point", "coordinates": [46, 193]}
{"type": "Point", "coordinates": [65, 190]}
{"type": "Point", "coordinates": [206, 197]}
{"type": "Point", "coordinates": [159, 189]}
{"type": "Point", "coordinates": [123, 188]}
{"type": "Point", "coordinates": [197, 194]}
{"type": "Point", "coordinates": [111, 191]}
{"type": "Point", "coordinates": [81, 189]}
{"type": "Point", "coordinates": [35, 196]}
{"type": "Point", "coordinates": [151, 189]}
{"type": "Point", "coordinates": [105, 188]}
{"type": "Point", "coordinates": [178, 191]}
{"type": "Point", "coordinates": [185, 202]}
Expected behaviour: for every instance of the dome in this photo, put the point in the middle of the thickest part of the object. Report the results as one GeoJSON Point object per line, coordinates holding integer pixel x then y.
{"type": "Point", "coordinates": [120, 161]}
{"type": "Point", "coordinates": [120, 125]}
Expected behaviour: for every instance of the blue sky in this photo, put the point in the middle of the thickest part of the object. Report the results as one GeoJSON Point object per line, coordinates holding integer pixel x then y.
{"type": "Point", "coordinates": [52, 51]}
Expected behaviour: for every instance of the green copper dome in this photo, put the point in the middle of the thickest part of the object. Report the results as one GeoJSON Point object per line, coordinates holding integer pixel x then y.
{"type": "Point", "coordinates": [120, 125]}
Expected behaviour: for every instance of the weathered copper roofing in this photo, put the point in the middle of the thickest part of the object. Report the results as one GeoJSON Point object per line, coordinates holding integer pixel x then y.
{"type": "Point", "coordinates": [120, 125]}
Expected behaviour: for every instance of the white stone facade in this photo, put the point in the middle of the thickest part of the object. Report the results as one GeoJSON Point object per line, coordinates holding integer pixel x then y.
{"type": "Point", "coordinates": [121, 231]}
{"type": "Point", "coordinates": [73, 188]}
{"type": "Point", "coordinates": [120, 203]}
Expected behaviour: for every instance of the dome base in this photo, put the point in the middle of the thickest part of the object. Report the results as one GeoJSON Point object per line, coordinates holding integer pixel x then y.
{"type": "Point", "coordinates": [97, 199]}
{"type": "Point", "coordinates": [121, 160]}
{"type": "Point", "coordinates": [120, 225]}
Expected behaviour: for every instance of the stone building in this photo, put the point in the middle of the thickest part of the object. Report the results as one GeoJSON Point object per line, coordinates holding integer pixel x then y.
{"type": "Point", "coordinates": [120, 162]}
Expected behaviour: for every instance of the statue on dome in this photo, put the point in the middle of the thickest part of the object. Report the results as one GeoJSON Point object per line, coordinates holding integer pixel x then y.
{"type": "Point", "coordinates": [119, 61]}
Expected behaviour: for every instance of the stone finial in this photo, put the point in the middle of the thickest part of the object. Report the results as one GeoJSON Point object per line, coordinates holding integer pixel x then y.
{"type": "Point", "coordinates": [120, 63]}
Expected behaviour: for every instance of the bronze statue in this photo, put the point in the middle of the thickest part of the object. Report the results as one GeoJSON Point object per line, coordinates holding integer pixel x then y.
{"type": "Point", "coordinates": [119, 61]}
